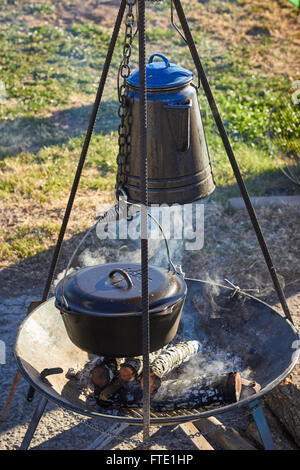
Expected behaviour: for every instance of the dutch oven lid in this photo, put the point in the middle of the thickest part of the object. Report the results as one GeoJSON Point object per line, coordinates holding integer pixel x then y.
{"type": "Point", "coordinates": [116, 288]}
{"type": "Point", "coordinates": [162, 74]}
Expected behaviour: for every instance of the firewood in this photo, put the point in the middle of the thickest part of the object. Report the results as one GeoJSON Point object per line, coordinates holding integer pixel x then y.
{"type": "Point", "coordinates": [132, 367]}
{"type": "Point", "coordinates": [100, 376]}
{"type": "Point", "coordinates": [98, 372]}
{"type": "Point", "coordinates": [284, 402]}
{"type": "Point", "coordinates": [198, 391]}
{"type": "Point", "coordinates": [189, 393]}
{"type": "Point", "coordinates": [200, 442]}
{"type": "Point", "coordinates": [105, 370]}
{"type": "Point", "coordinates": [225, 436]}
{"type": "Point", "coordinates": [282, 440]}
{"type": "Point", "coordinates": [130, 395]}
{"type": "Point", "coordinates": [168, 360]}
{"type": "Point", "coordinates": [111, 389]}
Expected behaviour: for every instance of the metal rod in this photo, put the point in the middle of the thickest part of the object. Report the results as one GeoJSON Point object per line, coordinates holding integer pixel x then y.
{"type": "Point", "coordinates": [11, 395]}
{"type": "Point", "coordinates": [230, 154]}
{"type": "Point", "coordinates": [30, 392]}
{"type": "Point", "coordinates": [262, 425]}
{"type": "Point", "coordinates": [38, 413]}
{"type": "Point", "coordinates": [144, 219]}
{"type": "Point", "coordinates": [174, 24]}
{"type": "Point", "coordinates": [84, 149]}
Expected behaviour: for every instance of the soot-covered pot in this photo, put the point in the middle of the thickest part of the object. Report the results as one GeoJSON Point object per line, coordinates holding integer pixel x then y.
{"type": "Point", "coordinates": [102, 312]}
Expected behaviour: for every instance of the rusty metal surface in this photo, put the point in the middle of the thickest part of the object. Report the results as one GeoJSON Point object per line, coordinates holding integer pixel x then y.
{"type": "Point", "coordinates": [245, 326]}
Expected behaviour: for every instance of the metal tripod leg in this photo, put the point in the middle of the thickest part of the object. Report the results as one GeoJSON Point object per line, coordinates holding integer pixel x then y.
{"type": "Point", "coordinates": [11, 395]}
{"type": "Point", "coordinates": [262, 425]}
{"type": "Point", "coordinates": [38, 413]}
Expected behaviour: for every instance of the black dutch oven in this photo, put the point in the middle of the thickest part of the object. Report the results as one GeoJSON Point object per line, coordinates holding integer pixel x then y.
{"type": "Point", "coordinates": [102, 312]}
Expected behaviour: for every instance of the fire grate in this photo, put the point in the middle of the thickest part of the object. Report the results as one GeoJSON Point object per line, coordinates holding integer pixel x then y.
{"type": "Point", "coordinates": [241, 326]}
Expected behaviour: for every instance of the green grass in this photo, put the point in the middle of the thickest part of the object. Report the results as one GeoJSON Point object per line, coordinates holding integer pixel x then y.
{"type": "Point", "coordinates": [49, 173]}
{"type": "Point", "coordinates": [42, 66]}
{"type": "Point", "coordinates": [27, 240]}
{"type": "Point", "coordinates": [50, 76]}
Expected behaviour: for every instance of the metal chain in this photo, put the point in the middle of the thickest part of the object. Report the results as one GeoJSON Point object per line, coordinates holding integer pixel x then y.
{"type": "Point", "coordinates": [124, 128]}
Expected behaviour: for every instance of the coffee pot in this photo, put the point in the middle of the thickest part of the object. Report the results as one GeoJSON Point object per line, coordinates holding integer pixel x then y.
{"type": "Point", "coordinates": [179, 169]}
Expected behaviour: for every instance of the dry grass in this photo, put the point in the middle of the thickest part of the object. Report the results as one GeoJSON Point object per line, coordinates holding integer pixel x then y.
{"type": "Point", "coordinates": [21, 238]}
{"type": "Point", "coordinates": [267, 32]}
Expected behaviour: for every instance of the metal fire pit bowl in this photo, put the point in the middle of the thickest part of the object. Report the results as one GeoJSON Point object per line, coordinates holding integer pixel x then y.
{"type": "Point", "coordinates": [239, 324]}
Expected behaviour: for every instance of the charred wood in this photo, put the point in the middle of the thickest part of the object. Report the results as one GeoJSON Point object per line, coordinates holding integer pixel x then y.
{"type": "Point", "coordinates": [178, 394]}
{"type": "Point", "coordinates": [110, 390]}
{"type": "Point", "coordinates": [197, 392]}
{"type": "Point", "coordinates": [132, 367]}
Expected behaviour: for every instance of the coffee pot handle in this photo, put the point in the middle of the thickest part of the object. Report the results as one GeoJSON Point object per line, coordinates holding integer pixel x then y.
{"type": "Point", "coordinates": [163, 57]}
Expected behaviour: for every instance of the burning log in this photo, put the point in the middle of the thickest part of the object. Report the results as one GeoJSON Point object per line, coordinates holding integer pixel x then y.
{"type": "Point", "coordinates": [168, 360]}
{"type": "Point", "coordinates": [188, 393]}
{"type": "Point", "coordinates": [198, 391]}
{"type": "Point", "coordinates": [126, 370]}
{"type": "Point", "coordinates": [100, 376]}
{"type": "Point", "coordinates": [130, 395]}
{"type": "Point", "coordinates": [96, 374]}
{"type": "Point", "coordinates": [132, 367]}
{"type": "Point", "coordinates": [105, 371]}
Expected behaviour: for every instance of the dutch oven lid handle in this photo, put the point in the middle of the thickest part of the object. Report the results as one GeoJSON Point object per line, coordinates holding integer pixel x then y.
{"type": "Point", "coordinates": [124, 274]}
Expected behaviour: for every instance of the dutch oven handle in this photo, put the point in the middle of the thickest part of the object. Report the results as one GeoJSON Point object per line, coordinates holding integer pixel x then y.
{"type": "Point", "coordinates": [124, 274]}
{"type": "Point", "coordinates": [137, 207]}
{"type": "Point", "coordinates": [62, 297]}
{"type": "Point", "coordinates": [129, 281]}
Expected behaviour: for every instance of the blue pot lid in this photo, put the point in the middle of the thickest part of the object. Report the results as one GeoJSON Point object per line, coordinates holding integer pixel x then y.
{"type": "Point", "coordinates": [161, 74]}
